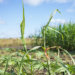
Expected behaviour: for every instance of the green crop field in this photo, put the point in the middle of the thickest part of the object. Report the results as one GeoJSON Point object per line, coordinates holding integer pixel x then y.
{"type": "Point", "coordinates": [54, 39]}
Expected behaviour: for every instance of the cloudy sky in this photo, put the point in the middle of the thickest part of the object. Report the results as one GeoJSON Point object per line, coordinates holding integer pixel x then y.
{"type": "Point", "coordinates": [37, 14]}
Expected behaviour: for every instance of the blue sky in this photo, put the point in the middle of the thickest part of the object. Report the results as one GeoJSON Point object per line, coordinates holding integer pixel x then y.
{"type": "Point", "coordinates": [37, 14]}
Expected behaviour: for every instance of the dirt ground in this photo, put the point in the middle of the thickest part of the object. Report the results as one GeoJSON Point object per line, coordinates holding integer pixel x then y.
{"type": "Point", "coordinates": [17, 47]}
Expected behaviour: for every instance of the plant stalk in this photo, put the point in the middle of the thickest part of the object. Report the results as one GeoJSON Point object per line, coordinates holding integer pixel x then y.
{"type": "Point", "coordinates": [44, 37]}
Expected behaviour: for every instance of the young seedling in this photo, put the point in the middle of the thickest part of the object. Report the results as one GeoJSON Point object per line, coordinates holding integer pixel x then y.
{"type": "Point", "coordinates": [22, 26]}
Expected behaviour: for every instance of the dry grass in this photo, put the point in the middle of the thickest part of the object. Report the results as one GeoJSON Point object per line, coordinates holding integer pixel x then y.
{"type": "Point", "coordinates": [14, 42]}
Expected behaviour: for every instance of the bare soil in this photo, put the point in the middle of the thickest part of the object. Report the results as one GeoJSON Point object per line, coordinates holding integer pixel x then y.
{"type": "Point", "coordinates": [17, 47]}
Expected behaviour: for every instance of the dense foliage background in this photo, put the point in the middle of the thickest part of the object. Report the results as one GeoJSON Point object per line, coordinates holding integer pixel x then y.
{"type": "Point", "coordinates": [55, 39]}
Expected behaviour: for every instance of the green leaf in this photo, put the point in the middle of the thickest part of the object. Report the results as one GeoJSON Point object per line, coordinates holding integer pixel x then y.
{"type": "Point", "coordinates": [6, 67]}
{"type": "Point", "coordinates": [51, 16]}
{"type": "Point", "coordinates": [43, 48]}
{"type": "Point", "coordinates": [34, 48]}
{"type": "Point", "coordinates": [63, 65]}
{"type": "Point", "coordinates": [69, 55]}
{"type": "Point", "coordinates": [71, 68]}
{"type": "Point", "coordinates": [55, 31]}
{"type": "Point", "coordinates": [22, 26]}
{"type": "Point", "coordinates": [1, 71]}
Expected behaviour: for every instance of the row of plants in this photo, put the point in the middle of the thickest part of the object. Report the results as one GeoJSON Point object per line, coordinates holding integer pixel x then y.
{"type": "Point", "coordinates": [68, 32]}
{"type": "Point", "coordinates": [24, 63]}
{"type": "Point", "coordinates": [54, 39]}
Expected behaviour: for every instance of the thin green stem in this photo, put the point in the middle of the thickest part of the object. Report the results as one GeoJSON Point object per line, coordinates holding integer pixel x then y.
{"type": "Point", "coordinates": [31, 69]}
{"type": "Point", "coordinates": [48, 63]}
{"type": "Point", "coordinates": [24, 44]}
{"type": "Point", "coordinates": [44, 38]}
{"type": "Point", "coordinates": [58, 53]}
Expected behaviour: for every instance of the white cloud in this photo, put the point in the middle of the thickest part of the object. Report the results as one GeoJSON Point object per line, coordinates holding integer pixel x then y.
{"type": "Point", "coordinates": [61, 1]}
{"type": "Point", "coordinates": [70, 10]}
{"type": "Point", "coordinates": [54, 25]}
{"type": "Point", "coordinates": [2, 22]}
{"type": "Point", "coordinates": [37, 2]}
{"type": "Point", "coordinates": [61, 21]}
{"type": "Point", "coordinates": [73, 4]}
{"type": "Point", "coordinates": [1, 1]}
{"type": "Point", "coordinates": [4, 1]}
{"type": "Point", "coordinates": [34, 2]}
{"type": "Point", "coordinates": [31, 16]}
